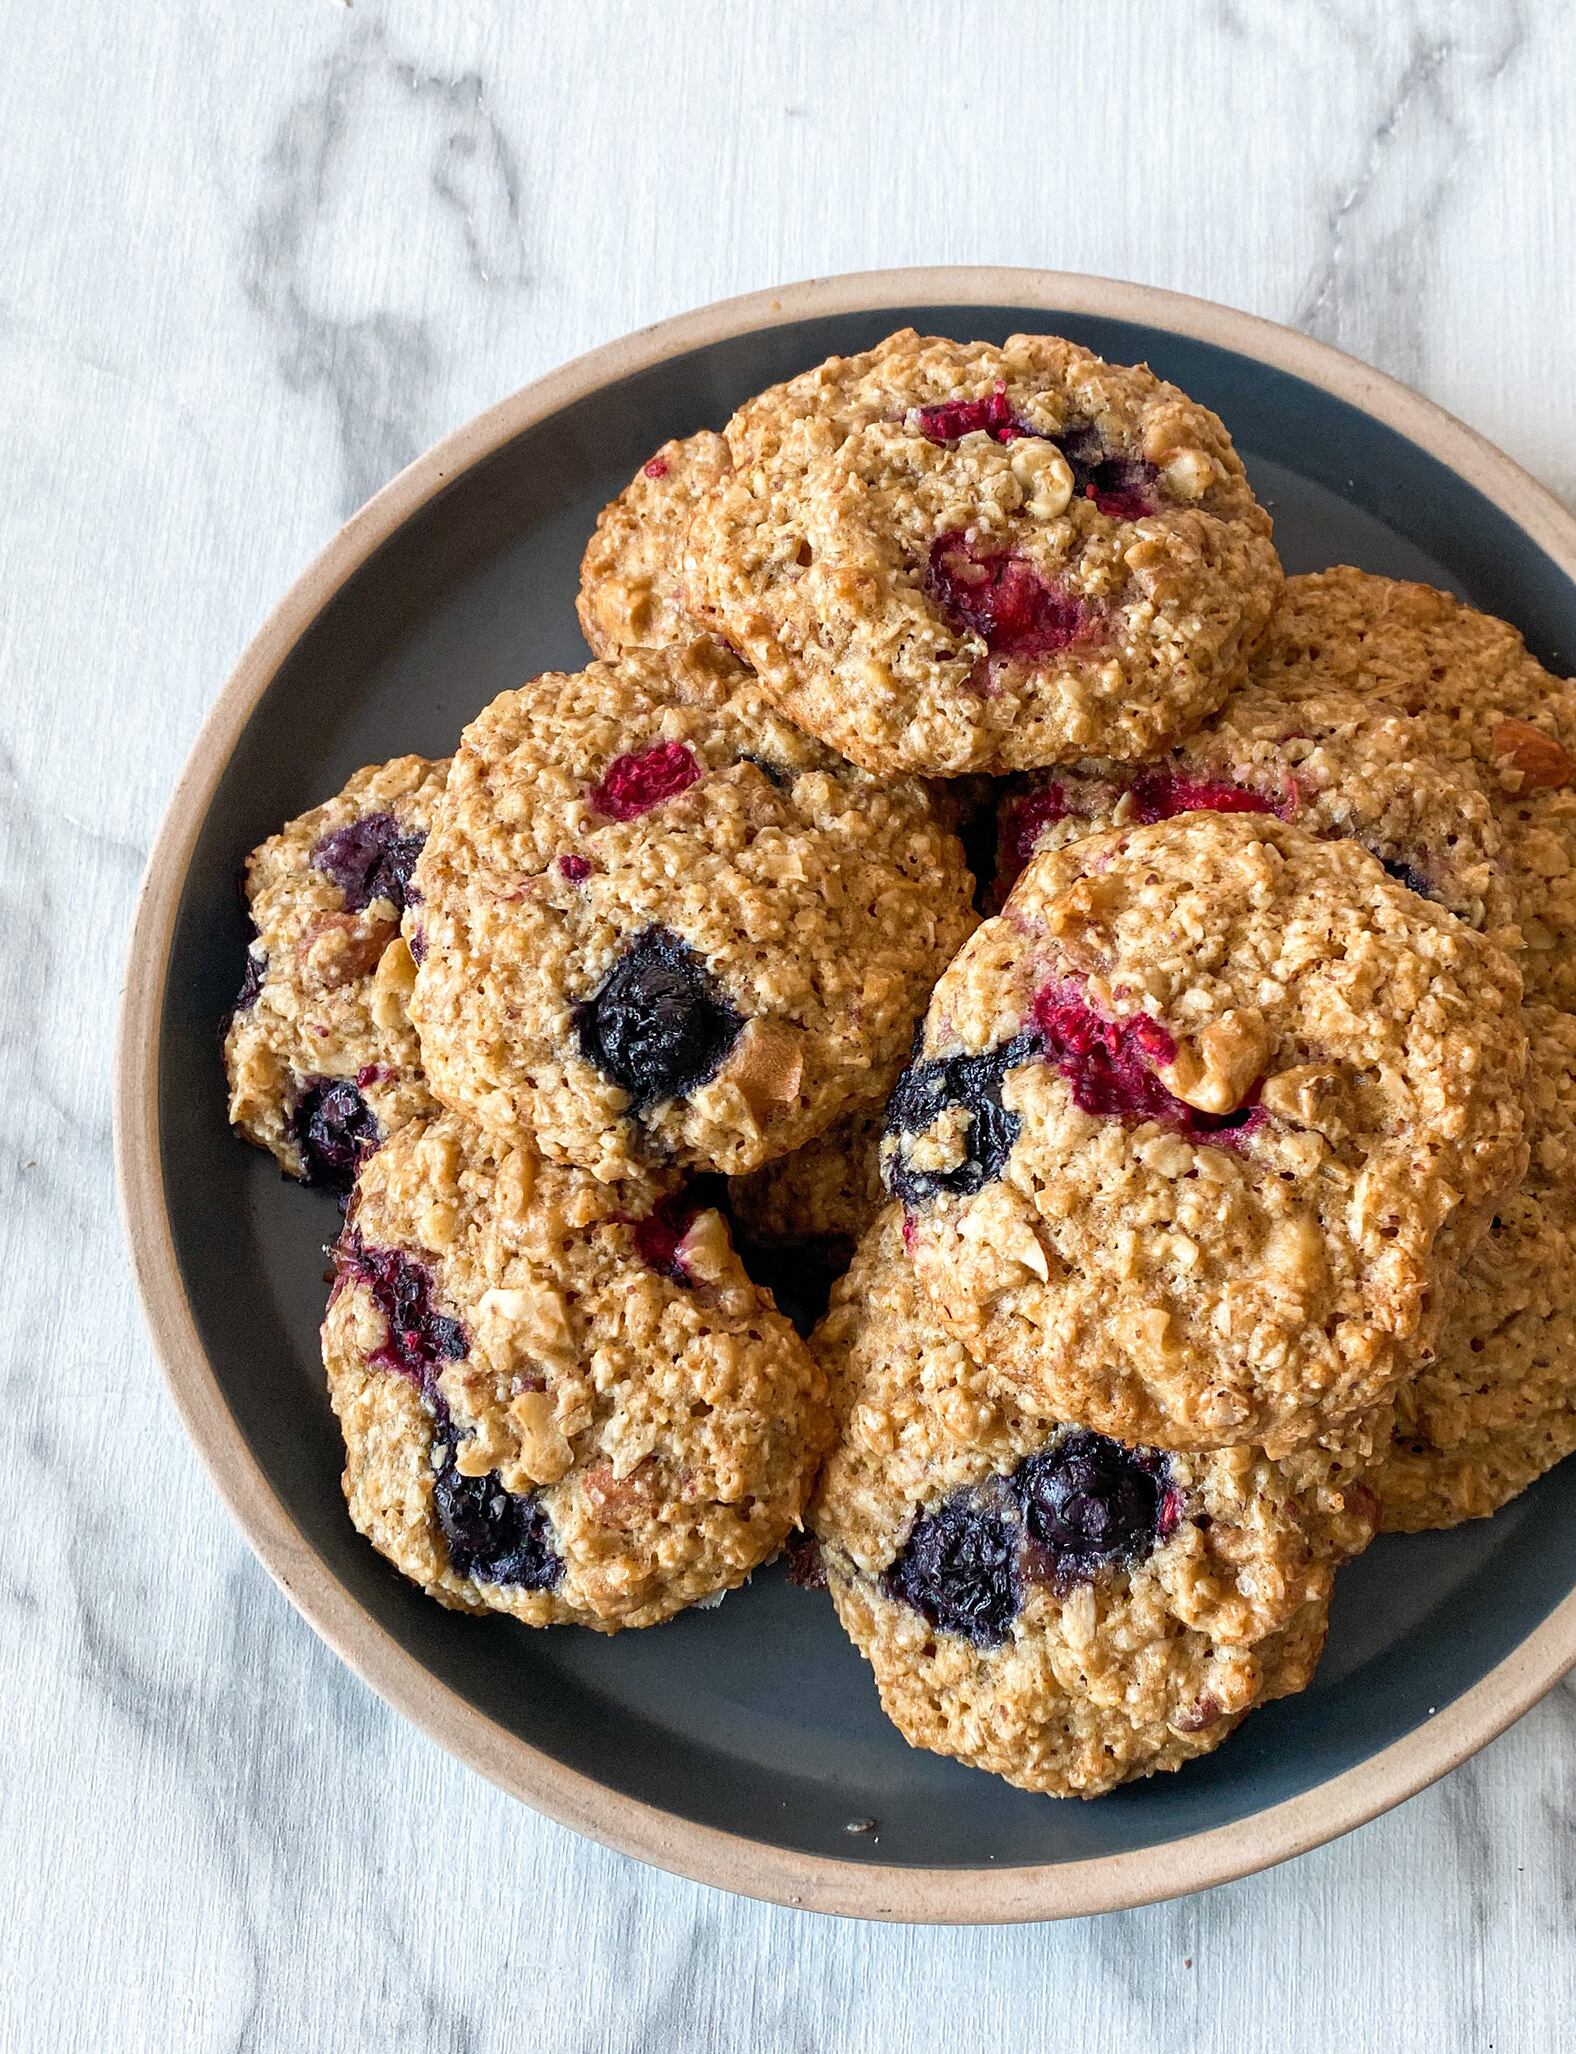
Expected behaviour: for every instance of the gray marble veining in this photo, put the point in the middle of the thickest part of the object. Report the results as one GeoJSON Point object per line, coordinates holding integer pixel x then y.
{"type": "Point", "coordinates": [253, 260]}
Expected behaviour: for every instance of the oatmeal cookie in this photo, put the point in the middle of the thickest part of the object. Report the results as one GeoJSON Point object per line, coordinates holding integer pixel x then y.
{"type": "Point", "coordinates": [946, 557]}
{"type": "Point", "coordinates": [1497, 1406]}
{"type": "Point", "coordinates": [657, 923]}
{"type": "Point", "coordinates": [321, 1059]}
{"type": "Point", "coordinates": [1326, 759]}
{"type": "Point", "coordinates": [1483, 700]}
{"type": "Point", "coordinates": [1065, 1610]}
{"type": "Point", "coordinates": [631, 594]}
{"type": "Point", "coordinates": [560, 1399]}
{"type": "Point", "coordinates": [1195, 1122]}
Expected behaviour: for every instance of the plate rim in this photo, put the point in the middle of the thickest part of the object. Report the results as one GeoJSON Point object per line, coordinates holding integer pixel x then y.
{"type": "Point", "coordinates": [706, 1854]}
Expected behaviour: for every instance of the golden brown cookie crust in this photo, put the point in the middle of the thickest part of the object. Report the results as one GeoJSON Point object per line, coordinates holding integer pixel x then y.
{"type": "Point", "coordinates": [849, 551]}
{"type": "Point", "coordinates": [668, 1428]}
{"type": "Point", "coordinates": [1167, 1280]}
{"type": "Point", "coordinates": [1483, 700]}
{"type": "Point", "coordinates": [631, 577]}
{"type": "Point", "coordinates": [1497, 1406]}
{"type": "Point", "coordinates": [815, 905]}
{"type": "Point", "coordinates": [332, 981]}
{"type": "Point", "coordinates": [1340, 767]}
{"type": "Point", "coordinates": [1131, 1670]}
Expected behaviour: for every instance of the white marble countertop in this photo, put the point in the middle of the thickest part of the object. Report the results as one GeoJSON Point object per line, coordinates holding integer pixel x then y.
{"type": "Point", "coordinates": [254, 258]}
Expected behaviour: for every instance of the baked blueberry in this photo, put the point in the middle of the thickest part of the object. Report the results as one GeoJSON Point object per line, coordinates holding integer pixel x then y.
{"type": "Point", "coordinates": [657, 1025]}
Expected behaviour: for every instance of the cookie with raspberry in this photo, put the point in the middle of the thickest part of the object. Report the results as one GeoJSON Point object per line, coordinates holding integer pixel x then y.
{"type": "Point", "coordinates": [947, 557]}
{"type": "Point", "coordinates": [1339, 766]}
{"type": "Point", "coordinates": [631, 592]}
{"type": "Point", "coordinates": [321, 1058]}
{"type": "Point", "coordinates": [1497, 1405]}
{"type": "Point", "coordinates": [560, 1399]}
{"type": "Point", "coordinates": [657, 923]}
{"type": "Point", "coordinates": [1197, 1123]}
{"type": "Point", "coordinates": [1066, 1610]}
{"type": "Point", "coordinates": [1483, 701]}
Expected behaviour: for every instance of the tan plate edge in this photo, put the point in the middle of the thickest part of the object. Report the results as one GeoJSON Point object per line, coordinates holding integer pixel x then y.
{"type": "Point", "coordinates": [1059, 1890]}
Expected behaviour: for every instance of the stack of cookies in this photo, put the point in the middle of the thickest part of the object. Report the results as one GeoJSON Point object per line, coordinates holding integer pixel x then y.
{"type": "Point", "coordinates": [1198, 1209]}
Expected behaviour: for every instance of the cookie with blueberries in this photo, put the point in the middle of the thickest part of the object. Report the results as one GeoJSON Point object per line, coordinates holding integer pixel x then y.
{"type": "Point", "coordinates": [1497, 1405]}
{"type": "Point", "coordinates": [1483, 701]}
{"type": "Point", "coordinates": [1064, 1609]}
{"type": "Point", "coordinates": [631, 591]}
{"type": "Point", "coordinates": [657, 924]}
{"type": "Point", "coordinates": [1196, 1128]}
{"type": "Point", "coordinates": [1339, 766]}
{"type": "Point", "coordinates": [320, 1055]}
{"type": "Point", "coordinates": [948, 557]}
{"type": "Point", "coordinates": [560, 1399]}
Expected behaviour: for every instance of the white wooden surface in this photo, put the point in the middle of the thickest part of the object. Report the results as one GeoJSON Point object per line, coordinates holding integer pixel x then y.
{"type": "Point", "coordinates": [252, 258]}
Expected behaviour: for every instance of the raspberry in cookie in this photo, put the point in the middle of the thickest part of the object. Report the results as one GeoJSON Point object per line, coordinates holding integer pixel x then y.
{"type": "Point", "coordinates": [1064, 1609]}
{"type": "Point", "coordinates": [1194, 1125]}
{"type": "Point", "coordinates": [1338, 766]}
{"type": "Point", "coordinates": [659, 924]}
{"type": "Point", "coordinates": [947, 557]}
{"type": "Point", "coordinates": [631, 594]}
{"type": "Point", "coordinates": [1497, 1406]}
{"type": "Point", "coordinates": [560, 1399]}
{"type": "Point", "coordinates": [321, 1059]}
{"type": "Point", "coordinates": [1483, 701]}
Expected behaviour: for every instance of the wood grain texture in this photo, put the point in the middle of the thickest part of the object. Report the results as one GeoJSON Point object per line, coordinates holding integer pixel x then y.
{"type": "Point", "coordinates": [256, 259]}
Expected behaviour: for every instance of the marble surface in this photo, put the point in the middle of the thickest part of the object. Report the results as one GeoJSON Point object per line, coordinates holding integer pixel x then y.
{"type": "Point", "coordinates": [256, 257]}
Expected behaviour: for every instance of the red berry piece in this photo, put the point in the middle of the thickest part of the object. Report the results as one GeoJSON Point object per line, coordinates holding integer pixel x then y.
{"type": "Point", "coordinates": [1110, 1068]}
{"type": "Point", "coordinates": [1003, 599]}
{"type": "Point", "coordinates": [632, 785]}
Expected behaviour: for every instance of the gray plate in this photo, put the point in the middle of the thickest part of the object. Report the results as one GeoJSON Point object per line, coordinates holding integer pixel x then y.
{"type": "Point", "coordinates": [759, 1718]}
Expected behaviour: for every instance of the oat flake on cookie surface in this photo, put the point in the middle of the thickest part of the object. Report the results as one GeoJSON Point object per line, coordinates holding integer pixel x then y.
{"type": "Point", "coordinates": [657, 923]}
{"type": "Point", "coordinates": [947, 557]}
{"type": "Point", "coordinates": [560, 1399]}
{"type": "Point", "coordinates": [1497, 1406]}
{"type": "Point", "coordinates": [1483, 701]}
{"type": "Point", "coordinates": [1196, 1124]}
{"type": "Point", "coordinates": [321, 1059]}
{"type": "Point", "coordinates": [1065, 1610]}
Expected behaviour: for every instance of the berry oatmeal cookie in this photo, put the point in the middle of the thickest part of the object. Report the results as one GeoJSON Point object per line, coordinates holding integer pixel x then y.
{"type": "Point", "coordinates": [1063, 1609]}
{"type": "Point", "coordinates": [631, 594]}
{"type": "Point", "coordinates": [658, 924]}
{"type": "Point", "coordinates": [1497, 1406]}
{"type": "Point", "coordinates": [1483, 701]}
{"type": "Point", "coordinates": [560, 1399]}
{"type": "Point", "coordinates": [1193, 1124]}
{"type": "Point", "coordinates": [1338, 767]}
{"type": "Point", "coordinates": [946, 557]}
{"type": "Point", "coordinates": [321, 1059]}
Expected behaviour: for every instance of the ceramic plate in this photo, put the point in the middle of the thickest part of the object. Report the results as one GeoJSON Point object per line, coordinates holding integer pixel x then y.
{"type": "Point", "coordinates": [736, 1746]}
